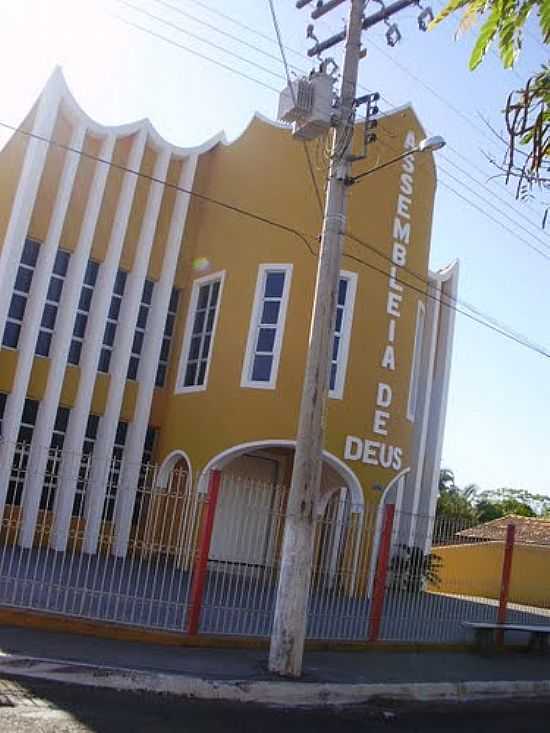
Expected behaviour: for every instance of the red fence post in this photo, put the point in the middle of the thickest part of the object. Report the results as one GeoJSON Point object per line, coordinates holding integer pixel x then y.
{"type": "Point", "coordinates": [203, 549]}
{"type": "Point", "coordinates": [505, 581]}
{"type": "Point", "coordinates": [379, 586]}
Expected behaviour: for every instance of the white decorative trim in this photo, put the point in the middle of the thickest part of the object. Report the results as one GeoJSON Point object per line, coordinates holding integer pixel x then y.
{"type": "Point", "coordinates": [416, 361]}
{"type": "Point", "coordinates": [345, 335]}
{"type": "Point", "coordinates": [12, 248]}
{"type": "Point", "coordinates": [440, 391]}
{"type": "Point", "coordinates": [395, 481]}
{"type": "Point", "coordinates": [418, 449]}
{"type": "Point", "coordinates": [94, 335]}
{"type": "Point", "coordinates": [25, 197]}
{"type": "Point", "coordinates": [31, 326]}
{"type": "Point", "coordinates": [168, 465]}
{"type": "Point", "coordinates": [248, 361]}
{"type": "Point", "coordinates": [61, 343]}
{"type": "Point", "coordinates": [223, 458]}
{"type": "Point", "coordinates": [214, 277]}
{"type": "Point", "coordinates": [122, 349]}
{"type": "Point", "coordinates": [137, 429]}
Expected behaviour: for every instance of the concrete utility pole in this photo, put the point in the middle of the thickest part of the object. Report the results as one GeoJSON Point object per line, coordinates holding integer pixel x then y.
{"type": "Point", "coordinates": [289, 627]}
{"type": "Point", "coordinates": [287, 641]}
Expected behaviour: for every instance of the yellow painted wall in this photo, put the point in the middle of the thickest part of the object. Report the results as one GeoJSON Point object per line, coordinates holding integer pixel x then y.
{"type": "Point", "coordinates": [265, 172]}
{"type": "Point", "coordinates": [476, 570]}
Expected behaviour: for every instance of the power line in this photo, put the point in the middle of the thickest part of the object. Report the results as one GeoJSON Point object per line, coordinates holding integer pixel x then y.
{"type": "Point", "coordinates": [478, 317]}
{"type": "Point", "coordinates": [232, 37]}
{"type": "Point", "coordinates": [193, 52]}
{"type": "Point", "coordinates": [444, 183]}
{"type": "Point", "coordinates": [239, 24]}
{"type": "Point", "coordinates": [197, 37]}
{"type": "Point", "coordinates": [289, 82]}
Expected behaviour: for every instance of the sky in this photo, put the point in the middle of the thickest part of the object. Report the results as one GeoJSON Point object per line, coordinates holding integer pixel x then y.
{"type": "Point", "coordinates": [497, 430]}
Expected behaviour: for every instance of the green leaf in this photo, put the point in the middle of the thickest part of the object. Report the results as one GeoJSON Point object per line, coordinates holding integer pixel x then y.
{"type": "Point", "coordinates": [449, 9]}
{"type": "Point", "coordinates": [524, 11]}
{"type": "Point", "coordinates": [544, 19]}
{"type": "Point", "coordinates": [508, 45]}
{"type": "Point", "coordinates": [486, 35]}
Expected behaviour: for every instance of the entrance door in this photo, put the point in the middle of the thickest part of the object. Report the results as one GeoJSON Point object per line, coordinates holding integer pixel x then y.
{"type": "Point", "coordinates": [243, 526]}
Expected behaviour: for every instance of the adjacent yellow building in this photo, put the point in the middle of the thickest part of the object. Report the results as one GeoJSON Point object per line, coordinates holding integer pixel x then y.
{"type": "Point", "coordinates": [155, 305]}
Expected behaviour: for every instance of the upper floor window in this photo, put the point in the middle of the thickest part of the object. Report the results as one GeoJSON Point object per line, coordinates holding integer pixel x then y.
{"type": "Point", "coordinates": [92, 427]}
{"type": "Point", "coordinates": [347, 285]}
{"type": "Point", "coordinates": [49, 314]}
{"type": "Point", "coordinates": [267, 324]}
{"type": "Point", "coordinates": [200, 329]}
{"type": "Point", "coordinates": [3, 400]}
{"type": "Point", "coordinates": [139, 332]}
{"type": "Point", "coordinates": [21, 455]}
{"type": "Point", "coordinates": [81, 320]}
{"type": "Point", "coordinates": [55, 455]}
{"type": "Point", "coordinates": [112, 322]}
{"type": "Point", "coordinates": [167, 338]}
{"type": "Point", "coordinates": [416, 360]}
{"type": "Point", "coordinates": [20, 295]}
{"type": "Point", "coordinates": [115, 469]}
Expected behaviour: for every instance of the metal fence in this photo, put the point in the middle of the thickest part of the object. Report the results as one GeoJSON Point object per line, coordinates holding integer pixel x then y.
{"type": "Point", "coordinates": [442, 572]}
{"type": "Point", "coordinates": [175, 556]}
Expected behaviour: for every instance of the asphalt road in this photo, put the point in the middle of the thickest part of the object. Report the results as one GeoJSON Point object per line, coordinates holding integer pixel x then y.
{"type": "Point", "coordinates": [48, 707]}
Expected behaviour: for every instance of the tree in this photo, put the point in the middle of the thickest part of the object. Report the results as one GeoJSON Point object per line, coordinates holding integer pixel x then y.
{"type": "Point", "coordinates": [494, 504]}
{"type": "Point", "coordinates": [454, 502]}
{"type": "Point", "coordinates": [527, 110]}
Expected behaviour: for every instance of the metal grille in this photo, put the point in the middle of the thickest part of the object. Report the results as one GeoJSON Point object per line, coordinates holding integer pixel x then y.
{"type": "Point", "coordinates": [145, 586]}
{"type": "Point", "coordinates": [214, 556]}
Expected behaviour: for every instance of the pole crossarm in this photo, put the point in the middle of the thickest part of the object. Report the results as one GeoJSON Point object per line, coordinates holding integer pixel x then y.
{"type": "Point", "coordinates": [386, 13]}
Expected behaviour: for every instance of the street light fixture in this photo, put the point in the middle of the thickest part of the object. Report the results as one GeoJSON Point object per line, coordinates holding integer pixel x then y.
{"type": "Point", "coordinates": [427, 145]}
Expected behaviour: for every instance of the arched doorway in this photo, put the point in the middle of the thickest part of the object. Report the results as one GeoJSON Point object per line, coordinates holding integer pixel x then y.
{"type": "Point", "coordinates": [167, 508]}
{"type": "Point", "coordinates": [251, 507]}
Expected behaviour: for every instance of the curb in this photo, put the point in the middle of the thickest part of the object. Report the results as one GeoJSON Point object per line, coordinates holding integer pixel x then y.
{"type": "Point", "coordinates": [279, 693]}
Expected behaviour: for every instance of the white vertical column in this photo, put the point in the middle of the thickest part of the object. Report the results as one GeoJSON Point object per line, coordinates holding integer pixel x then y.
{"type": "Point", "coordinates": [10, 256]}
{"type": "Point", "coordinates": [31, 327]}
{"type": "Point", "coordinates": [149, 362]}
{"type": "Point", "coordinates": [76, 428]}
{"type": "Point", "coordinates": [121, 354]}
{"type": "Point", "coordinates": [413, 481]}
{"type": "Point", "coordinates": [27, 188]}
{"type": "Point", "coordinates": [438, 402]}
{"type": "Point", "coordinates": [63, 332]}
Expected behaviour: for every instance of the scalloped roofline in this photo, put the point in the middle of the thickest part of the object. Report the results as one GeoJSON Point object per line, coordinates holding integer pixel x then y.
{"type": "Point", "coordinates": [57, 86]}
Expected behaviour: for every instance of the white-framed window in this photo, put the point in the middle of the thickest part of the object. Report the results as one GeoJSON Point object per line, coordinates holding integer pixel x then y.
{"type": "Point", "coordinates": [267, 325]}
{"type": "Point", "coordinates": [18, 303]}
{"type": "Point", "coordinates": [51, 306]}
{"type": "Point", "coordinates": [82, 312]}
{"type": "Point", "coordinates": [112, 322]}
{"type": "Point", "coordinates": [139, 332]}
{"type": "Point", "coordinates": [55, 455]}
{"type": "Point", "coordinates": [162, 369]}
{"type": "Point", "coordinates": [22, 450]}
{"type": "Point", "coordinates": [92, 427]}
{"type": "Point", "coordinates": [200, 329]}
{"type": "Point", "coordinates": [416, 359]}
{"type": "Point", "coordinates": [345, 301]}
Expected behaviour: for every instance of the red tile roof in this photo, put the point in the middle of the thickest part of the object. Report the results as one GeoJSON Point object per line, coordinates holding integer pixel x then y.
{"type": "Point", "coordinates": [529, 530]}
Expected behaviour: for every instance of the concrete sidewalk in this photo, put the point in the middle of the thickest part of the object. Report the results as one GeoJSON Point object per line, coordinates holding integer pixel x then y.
{"type": "Point", "coordinates": [329, 677]}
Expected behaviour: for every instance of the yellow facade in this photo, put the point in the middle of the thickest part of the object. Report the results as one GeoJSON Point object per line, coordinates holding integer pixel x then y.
{"type": "Point", "coordinates": [263, 172]}
{"type": "Point", "coordinates": [227, 210]}
{"type": "Point", "coordinates": [229, 414]}
{"type": "Point", "coordinates": [476, 570]}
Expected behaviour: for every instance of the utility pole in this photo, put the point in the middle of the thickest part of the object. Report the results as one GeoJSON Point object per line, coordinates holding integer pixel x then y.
{"type": "Point", "coordinates": [289, 626]}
